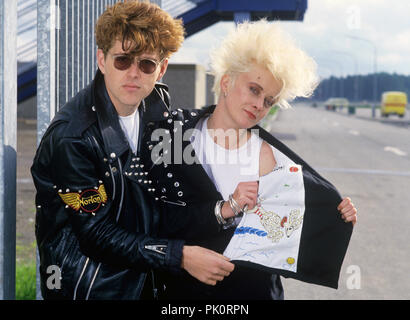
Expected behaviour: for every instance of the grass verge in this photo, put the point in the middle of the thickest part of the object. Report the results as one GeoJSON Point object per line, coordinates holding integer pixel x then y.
{"type": "Point", "coordinates": [26, 281]}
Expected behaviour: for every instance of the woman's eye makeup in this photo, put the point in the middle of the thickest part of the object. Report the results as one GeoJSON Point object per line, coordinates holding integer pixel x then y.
{"type": "Point", "coordinates": [255, 90]}
{"type": "Point", "coordinates": [269, 102]}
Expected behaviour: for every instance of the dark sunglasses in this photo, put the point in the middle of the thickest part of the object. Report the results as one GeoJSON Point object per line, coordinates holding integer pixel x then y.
{"type": "Point", "coordinates": [124, 61]}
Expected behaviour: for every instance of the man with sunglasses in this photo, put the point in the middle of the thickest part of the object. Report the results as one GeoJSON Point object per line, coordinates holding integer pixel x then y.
{"type": "Point", "coordinates": [97, 211]}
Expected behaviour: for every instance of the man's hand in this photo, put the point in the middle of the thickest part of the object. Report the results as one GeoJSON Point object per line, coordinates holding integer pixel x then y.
{"type": "Point", "coordinates": [205, 265]}
{"type": "Point", "coordinates": [348, 210]}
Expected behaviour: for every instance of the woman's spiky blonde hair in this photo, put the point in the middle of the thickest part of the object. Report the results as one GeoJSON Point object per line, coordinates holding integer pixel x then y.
{"type": "Point", "coordinates": [265, 44]}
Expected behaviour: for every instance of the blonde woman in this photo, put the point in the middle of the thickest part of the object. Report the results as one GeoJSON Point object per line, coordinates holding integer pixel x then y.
{"type": "Point", "coordinates": [291, 212]}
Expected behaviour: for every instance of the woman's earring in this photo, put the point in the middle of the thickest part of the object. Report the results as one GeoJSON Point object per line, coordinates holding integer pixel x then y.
{"type": "Point", "coordinates": [225, 94]}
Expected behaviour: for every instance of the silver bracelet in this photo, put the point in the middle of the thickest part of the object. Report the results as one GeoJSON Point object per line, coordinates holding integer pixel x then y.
{"type": "Point", "coordinates": [237, 210]}
{"type": "Point", "coordinates": [218, 214]}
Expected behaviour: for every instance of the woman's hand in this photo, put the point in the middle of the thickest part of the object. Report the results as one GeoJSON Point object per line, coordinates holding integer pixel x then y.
{"type": "Point", "coordinates": [348, 210]}
{"type": "Point", "coordinates": [246, 193]}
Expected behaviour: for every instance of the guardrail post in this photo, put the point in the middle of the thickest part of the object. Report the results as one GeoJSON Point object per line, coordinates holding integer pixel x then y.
{"type": "Point", "coordinates": [46, 78]}
{"type": "Point", "coordinates": [8, 147]}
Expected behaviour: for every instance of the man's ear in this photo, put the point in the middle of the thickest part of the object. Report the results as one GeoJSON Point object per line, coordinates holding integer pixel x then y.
{"type": "Point", "coordinates": [163, 69]}
{"type": "Point", "coordinates": [101, 60]}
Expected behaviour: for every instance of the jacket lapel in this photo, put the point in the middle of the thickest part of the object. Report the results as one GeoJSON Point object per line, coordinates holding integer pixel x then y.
{"type": "Point", "coordinates": [111, 131]}
{"type": "Point", "coordinates": [197, 171]}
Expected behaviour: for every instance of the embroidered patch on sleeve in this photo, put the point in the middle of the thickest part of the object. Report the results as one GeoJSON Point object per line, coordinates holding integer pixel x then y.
{"type": "Point", "coordinates": [89, 200]}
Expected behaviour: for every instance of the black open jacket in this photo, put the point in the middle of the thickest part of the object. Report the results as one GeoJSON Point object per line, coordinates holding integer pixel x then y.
{"type": "Point", "coordinates": [99, 205]}
{"type": "Point", "coordinates": [324, 240]}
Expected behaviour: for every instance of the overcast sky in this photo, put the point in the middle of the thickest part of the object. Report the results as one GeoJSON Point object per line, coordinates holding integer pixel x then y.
{"type": "Point", "coordinates": [326, 34]}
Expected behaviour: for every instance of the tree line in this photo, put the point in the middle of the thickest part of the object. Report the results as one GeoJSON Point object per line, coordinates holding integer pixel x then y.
{"type": "Point", "coordinates": [362, 87]}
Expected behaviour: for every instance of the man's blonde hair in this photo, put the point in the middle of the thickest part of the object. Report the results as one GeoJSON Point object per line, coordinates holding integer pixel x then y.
{"type": "Point", "coordinates": [141, 27]}
{"type": "Point", "coordinates": [265, 44]}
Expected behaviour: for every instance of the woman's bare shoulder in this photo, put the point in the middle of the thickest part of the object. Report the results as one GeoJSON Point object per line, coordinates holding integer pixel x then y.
{"type": "Point", "coordinates": [267, 160]}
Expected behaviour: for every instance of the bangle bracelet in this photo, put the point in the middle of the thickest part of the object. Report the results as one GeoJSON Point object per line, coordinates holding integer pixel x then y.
{"type": "Point", "coordinates": [237, 210]}
{"type": "Point", "coordinates": [218, 214]}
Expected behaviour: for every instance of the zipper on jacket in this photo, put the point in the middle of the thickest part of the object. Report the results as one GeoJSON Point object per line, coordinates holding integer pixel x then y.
{"type": "Point", "coordinates": [159, 248]}
{"type": "Point", "coordinates": [113, 183]}
{"type": "Point", "coordinates": [112, 176]}
{"type": "Point", "coordinates": [154, 288]}
{"type": "Point", "coordinates": [122, 189]}
{"type": "Point", "coordinates": [117, 218]}
{"type": "Point", "coordinates": [92, 281]}
{"type": "Point", "coordinates": [79, 279]}
{"type": "Point", "coordinates": [62, 265]}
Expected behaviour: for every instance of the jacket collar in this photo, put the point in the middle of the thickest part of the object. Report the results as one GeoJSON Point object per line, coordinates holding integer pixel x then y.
{"type": "Point", "coordinates": [107, 117]}
{"type": "Point", "coordinates": [201, 113]}
{"type": "Point", "coordinates": [155, 107]}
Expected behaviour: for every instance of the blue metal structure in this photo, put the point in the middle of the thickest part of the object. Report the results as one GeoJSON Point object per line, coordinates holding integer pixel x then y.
{"type": "Point", "coordinates": [26, 80]}
{"type": "Point", "coordinates": [208, 12]}
{"type": "Point", "coordinates": [196, 14]}
{"type": "Point", "coordinates": [26, 50]}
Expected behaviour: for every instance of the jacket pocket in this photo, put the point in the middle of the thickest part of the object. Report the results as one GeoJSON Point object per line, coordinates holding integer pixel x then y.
{"type": "Point", "coordinates": [71, 262]}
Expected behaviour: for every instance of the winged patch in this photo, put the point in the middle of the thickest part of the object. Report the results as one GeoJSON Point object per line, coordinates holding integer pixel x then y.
{"type": "Point", "coordinates": [89, 200]}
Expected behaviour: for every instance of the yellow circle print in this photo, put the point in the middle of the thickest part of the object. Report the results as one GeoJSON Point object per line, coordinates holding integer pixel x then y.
{"type": "Point", "coordinates": [290, 260]}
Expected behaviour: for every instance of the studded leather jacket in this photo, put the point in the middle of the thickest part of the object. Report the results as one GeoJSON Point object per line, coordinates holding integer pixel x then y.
{"type": "Point", "coordinates": [195, 186]}
{"type": "Point", "coordinates": [323, 229]}
{"type": "Point", "coordinates": [98, 204]}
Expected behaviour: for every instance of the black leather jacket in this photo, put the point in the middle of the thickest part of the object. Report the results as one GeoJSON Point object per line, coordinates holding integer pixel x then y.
{"type": "Point", "coordinates": [323, 230]}
{"type": "Point", "coordinates": [197, 187]}
{"type": "Point", "coordinates": [99, 206]}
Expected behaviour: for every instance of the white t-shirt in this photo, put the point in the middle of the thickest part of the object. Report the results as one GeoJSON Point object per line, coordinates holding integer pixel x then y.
{"type": "Point", "coordinates": [130, 125]}
{"type": "Point", "coordinates": [270, 233]}
{"type": "Point", "coordinates": [227, 167]}
{"type": "Point", "coordinates": [231, 166]}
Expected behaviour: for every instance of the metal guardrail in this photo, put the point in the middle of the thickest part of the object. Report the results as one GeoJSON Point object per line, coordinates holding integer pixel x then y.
{"type": "Point", "coordinates": [8, 147]}
{"type": "Point", "coordinates": [178, 7]}
{"type": "Point", "coordinates": [27, 25]}
{"type": "Point", "coordinates": [27, 21]}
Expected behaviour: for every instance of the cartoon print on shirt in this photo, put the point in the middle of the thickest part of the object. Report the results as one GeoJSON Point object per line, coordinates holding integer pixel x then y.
{"type": "Point", "coordinates": [276, 227]}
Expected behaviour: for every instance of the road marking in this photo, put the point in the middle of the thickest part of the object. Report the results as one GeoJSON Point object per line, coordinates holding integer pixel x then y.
{"type": "Point", "coordinates": [366, 171]}
{"type": "Point", "coordinates": [354, 132]}
{"type": "Point", "coordinates": [395, 151]}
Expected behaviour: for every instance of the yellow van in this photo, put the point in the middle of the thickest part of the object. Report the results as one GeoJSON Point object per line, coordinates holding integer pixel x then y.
{"type": "Point", "coordinates": [393, 102]}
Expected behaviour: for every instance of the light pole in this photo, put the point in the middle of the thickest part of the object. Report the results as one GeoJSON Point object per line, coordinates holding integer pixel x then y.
{"type": "Point", "coordinates": [374, 70]}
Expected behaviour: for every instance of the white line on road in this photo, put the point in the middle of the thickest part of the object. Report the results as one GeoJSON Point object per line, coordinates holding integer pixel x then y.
{"type": "Point", "coordinates": [395, 151]}
{"type": "Point", "coordinates": [354, 132]}
{"type": "Point", "coordinates": [366, 171]}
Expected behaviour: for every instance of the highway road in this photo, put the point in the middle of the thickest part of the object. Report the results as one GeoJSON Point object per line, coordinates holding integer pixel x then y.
{"type": "Point", "coordinates": [368, 161]}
